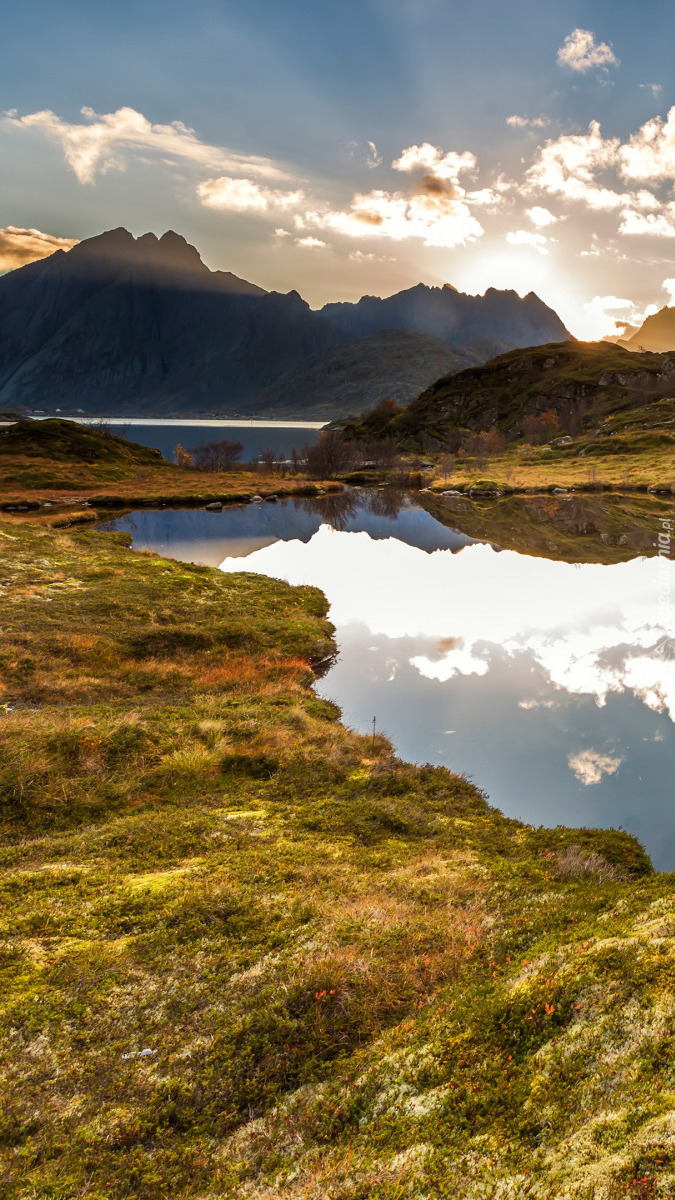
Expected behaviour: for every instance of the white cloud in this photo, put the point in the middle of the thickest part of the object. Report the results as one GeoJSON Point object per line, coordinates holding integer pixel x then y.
{"type": "Point", "coordinates": [244, 195]}
{"type": "Point", "coordinates": [654, 88]}
{"type": "Point", "coordinates": [517, 122]}
{"type": "Point", "coordinates": [589, 766]}
{"type": "Point", "coordinates": [566, 167]}
{"type": "Point", "coordinates": [637, 224]}
{"type": "Point", "coordinates": [430, 158]}
{"type": "Point", "coordinates": [524, 237]}
{"type": "Point", "coordinates": [373, 159]}
{"type": "Point", "coordinates": [21, 246]}
{"type": "Point", "coordinates": [541, 217]}
{"type": "Point", "coordinates": [669, 287]}
{"type": "Point", "coordinates": [102, 141]}
{"type": "Point", "coordinates": [581, 52]}
{"type": "Point", "coordinates": [310, 243]}
{"type": "Point", "coordinates": [603, 315]}
{"type": "Point", "coordinates": [438, 218]}
{"type": "Point", "coordinates": [650, 153]}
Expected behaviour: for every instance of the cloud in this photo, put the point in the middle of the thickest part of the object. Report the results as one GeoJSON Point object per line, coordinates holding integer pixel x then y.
{"type": "Point", "coordinates": [102, 142]}
{"type": "Point", "coordinates": [21, 246]}
{"type": "Point", "coordinates": [431, 159]}
{"type": "Point", "coordinates": [654, 88]}
{"type": "Point", "coordinates": [373, 159]}
{"type": "Point", "coordinates": [541, 217]}
{"type": "Point", "coordinates": [566, 167]}
{"type": "Point", "coordinates": [581, 52]}
{"type": "Point", "coordinates": [661, 225]}
{"type": "Point", "coordinates": [244, 195]}
{"type": "Point", "coordinates": [589, 766]}
{"type": "Point", "coordinates": [524, 237]}
{"type": "Point", "coordinates": [365, 152]}
{"type": "Point", "coordinates": [527, 122]}
{"type": "Point", "coordinates": [436, 216]}
{"type": "Point", "coordinates": [650, 153]}
{"type": "Point", "coordinates": [669, 287]}
{"type": "Point", "coordinates": [603, 315]}
{"type": "Point", "coordinates": [437, 210]}
{"type": "Point", "coordinates": [310, 243]}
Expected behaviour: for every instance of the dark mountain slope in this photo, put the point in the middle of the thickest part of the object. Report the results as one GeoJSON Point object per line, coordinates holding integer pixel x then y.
{"type": "Point", "coordinates": [140, 325]}
{"type": "Point", "coordinates": [393, 364]}
{"type": "Point", "coordinates": [579, 381]}
{"type": "Point", "coordinates": [454, 317]}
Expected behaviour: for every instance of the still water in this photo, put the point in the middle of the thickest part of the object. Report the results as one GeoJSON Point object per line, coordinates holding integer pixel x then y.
{"type": "Point", "coordinates": [256, 435]}
{"type": "Point", "coordinates": [550, 683]}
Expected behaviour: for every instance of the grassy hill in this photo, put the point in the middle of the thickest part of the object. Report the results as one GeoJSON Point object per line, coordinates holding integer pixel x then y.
{"type": "Point", "coordinates": [611, 416]}
{"type": "Point", "coordinates": [580, 382]}
{"type": "Point", "coordinates": [67, 441]}
{"type": "Point", "coordinates": [59, 462]}
{"type": "Point", "coordinates": [247, 953]}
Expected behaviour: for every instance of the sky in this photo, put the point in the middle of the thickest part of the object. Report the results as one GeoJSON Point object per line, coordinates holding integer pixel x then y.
{"type": "Point", "coordinates": [351, 147]}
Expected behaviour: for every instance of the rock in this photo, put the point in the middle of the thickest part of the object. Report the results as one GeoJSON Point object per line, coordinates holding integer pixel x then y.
{"type": "Point", "coordinates": [560, 491]}
{"type": "Point", "coordinates": [256, 500]}
{"type": "Point", "coordinates": [214, 506]}
{"type": "Point", "coordinates": [271, 499]}
{"type": "Point", "coordinates": [451, 492]}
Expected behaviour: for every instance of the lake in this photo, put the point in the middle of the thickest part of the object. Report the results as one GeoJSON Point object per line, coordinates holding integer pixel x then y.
{"type": "Point", "coordinates": [529, 645]}
{"type": "Point", "coordinates": [257, 436]}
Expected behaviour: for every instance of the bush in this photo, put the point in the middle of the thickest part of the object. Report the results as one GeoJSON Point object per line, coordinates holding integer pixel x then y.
{"type": "Point", "coordinates": [575, 863]}
{"type": "Point", "coordinates": [216, 456]}
{"type": "Point", "coordinates": [540, 428]}
{"type": "Point", "coordinates": [329, 455]}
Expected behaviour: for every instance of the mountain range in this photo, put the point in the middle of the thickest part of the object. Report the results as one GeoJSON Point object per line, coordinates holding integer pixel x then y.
{"type": "Point", "coordinates": [141, 326]}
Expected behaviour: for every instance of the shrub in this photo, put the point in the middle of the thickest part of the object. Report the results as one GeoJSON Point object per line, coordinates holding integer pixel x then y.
{"type": "Point", "coordinates": [575, 863]}
{"type": "Point", "coordinates": [540, 427]}
{"type": "Point", "coordinates": [216, 456]}
{"type": "Point", "coordinates": [329, 455]}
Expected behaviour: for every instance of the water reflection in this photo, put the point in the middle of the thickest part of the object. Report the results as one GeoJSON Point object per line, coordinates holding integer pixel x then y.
{"type": "Point", "coordinates": [194, 535]}
{"type": "Point", "coordinates": [550, 683]}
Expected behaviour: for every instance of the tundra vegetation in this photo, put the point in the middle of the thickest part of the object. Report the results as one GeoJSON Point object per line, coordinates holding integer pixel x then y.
{"type": "Point", "coordinates": [58, 464]}
{"type": "Point", "coordinates": [246, 952]}
{"type": "Point", "coordinates": [578, 415]}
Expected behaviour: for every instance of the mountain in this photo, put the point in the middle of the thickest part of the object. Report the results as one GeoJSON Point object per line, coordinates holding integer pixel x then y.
{"type": "Point", "coordinates": [579, 381]}
{"type": "Point", "coordinates": [657, 333]}
{"type": "Point", "coordinates": [357, 376]}
{"type": "Point", "coordinates": [137, 325]}
{"type": "Point", "coordinates": [124, 325]}
{"type": "Point", "coordinates": [452, 316]}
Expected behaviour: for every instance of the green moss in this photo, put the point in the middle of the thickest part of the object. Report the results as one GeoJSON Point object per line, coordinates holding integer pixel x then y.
{"type": "Point", "coordinates": [351, 976]}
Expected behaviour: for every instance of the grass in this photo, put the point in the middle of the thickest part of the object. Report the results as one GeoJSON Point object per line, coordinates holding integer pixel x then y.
{"type": "Point", "coordinates": [60, 464]}
{"type": "Point", "coordinates": [248, 953]}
